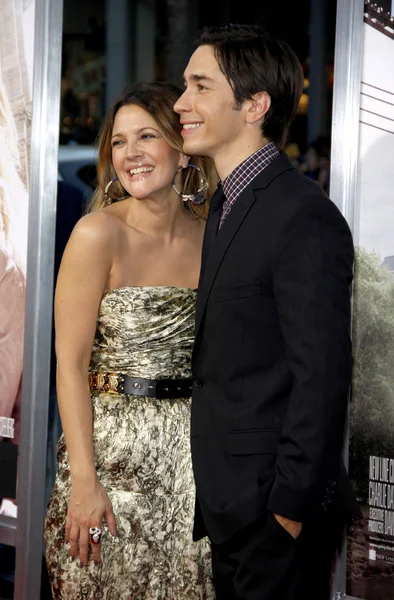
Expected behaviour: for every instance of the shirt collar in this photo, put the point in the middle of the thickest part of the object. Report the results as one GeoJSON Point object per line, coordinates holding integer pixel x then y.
{"type": "Point", "coordinates": [248, 169]}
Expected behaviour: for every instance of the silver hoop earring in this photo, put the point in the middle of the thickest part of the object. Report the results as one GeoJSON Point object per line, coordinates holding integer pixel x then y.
{"type": "Point", "coordinates": [107, 199]}
{"type": "Point", "coordinates": [199, 196]}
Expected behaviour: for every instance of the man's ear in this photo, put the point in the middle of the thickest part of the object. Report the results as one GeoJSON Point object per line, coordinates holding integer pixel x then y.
{"type": "Point", "coordinates": [183, 160]}
{"type": "Point", "coordinates": [258, 106]}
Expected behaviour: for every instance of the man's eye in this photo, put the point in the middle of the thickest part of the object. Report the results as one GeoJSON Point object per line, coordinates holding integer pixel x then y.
{"type": "Point", "coordinates": [201, 87]}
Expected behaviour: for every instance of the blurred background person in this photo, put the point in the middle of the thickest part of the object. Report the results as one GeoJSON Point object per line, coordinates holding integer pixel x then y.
{"type": "Point", "coordinates": [316, 164]}
{"type": "Point", "coordinates": [293, 152]}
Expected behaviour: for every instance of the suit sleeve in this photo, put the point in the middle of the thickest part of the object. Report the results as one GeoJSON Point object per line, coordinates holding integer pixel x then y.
{"type": "Point", "coordinates": [312, 271]}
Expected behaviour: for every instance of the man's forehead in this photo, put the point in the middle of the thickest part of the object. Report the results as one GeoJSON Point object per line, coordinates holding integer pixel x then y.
{"type": "Point", "coordinates": [202, 65]}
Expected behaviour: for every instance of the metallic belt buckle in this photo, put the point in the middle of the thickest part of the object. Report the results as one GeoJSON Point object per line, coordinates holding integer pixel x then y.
{"type": "Point", "coordinates": [111, 385]}
{"type": "Point", "coordinates": [106, 382]}
{"type": "Point", "coordinates": [92, 378]}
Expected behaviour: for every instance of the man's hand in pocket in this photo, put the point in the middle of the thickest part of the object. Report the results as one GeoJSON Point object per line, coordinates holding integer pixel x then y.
{"type": "Point", "coordinates": [294, 528]}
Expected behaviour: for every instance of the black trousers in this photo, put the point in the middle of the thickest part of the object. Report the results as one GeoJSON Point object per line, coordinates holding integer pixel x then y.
{"type": "Point", "coordinates": [264, 562]}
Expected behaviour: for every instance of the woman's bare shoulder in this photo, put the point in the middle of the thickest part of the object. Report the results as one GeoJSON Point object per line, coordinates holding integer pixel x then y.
{"type": "Point", "coordinates": [99, 227]}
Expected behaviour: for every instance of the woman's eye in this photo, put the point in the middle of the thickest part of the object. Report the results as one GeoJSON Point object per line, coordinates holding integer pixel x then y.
{"type": "Point", "coordinates": [116, 143]}
{"type": "Point", "coordinates": [146, 136]}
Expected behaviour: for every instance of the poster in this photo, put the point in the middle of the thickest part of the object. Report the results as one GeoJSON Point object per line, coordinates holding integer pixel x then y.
{"type": "Point", "coordinates": [16, 71]}
{"type": "Point", "coordinates": [370, 557]}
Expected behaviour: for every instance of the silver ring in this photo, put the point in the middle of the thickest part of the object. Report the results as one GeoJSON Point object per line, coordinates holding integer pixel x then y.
{"type": "Point", "coordinates": [95, 535]}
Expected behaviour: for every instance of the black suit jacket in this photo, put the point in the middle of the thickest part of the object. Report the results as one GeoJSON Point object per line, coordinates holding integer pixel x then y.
{"type": "Point", "coordinates": [272, 358]}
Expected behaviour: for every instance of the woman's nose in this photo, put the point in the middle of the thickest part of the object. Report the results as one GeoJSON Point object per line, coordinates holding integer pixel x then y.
{"type": "Point", "coordinates": [134, 151]}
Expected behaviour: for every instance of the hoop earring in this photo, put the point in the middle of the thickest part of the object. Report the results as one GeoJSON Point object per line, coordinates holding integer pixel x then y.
{"type": "Point", "coordinates": [198, 197]}
{"type": "Point", "coordinates": [107, 199]}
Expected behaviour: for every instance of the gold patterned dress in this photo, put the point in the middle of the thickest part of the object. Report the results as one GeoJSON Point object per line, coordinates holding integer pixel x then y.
{"type": "Point", "coordinates": [142, 456]}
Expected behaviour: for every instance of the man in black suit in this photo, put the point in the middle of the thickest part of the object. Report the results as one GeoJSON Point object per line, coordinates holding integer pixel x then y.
{"type": "Point", "coordinates": [272, 356]}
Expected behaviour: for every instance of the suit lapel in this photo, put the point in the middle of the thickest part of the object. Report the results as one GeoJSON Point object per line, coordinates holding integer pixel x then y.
{"type": "Point", "coordinates": [230, 227]}
{"type": "Point", "coordinates": [219, 248]}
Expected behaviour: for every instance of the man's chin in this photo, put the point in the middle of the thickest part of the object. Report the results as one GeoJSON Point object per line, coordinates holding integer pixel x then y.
{"type": "Point", "coordinates": [194, 148]}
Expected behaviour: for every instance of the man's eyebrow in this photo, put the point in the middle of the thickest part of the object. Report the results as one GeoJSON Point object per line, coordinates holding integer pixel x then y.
{"type": "Point", "coordinates": [199, 77]}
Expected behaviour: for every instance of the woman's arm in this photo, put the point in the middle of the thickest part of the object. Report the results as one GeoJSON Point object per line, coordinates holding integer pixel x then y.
{"type": "Point", "coordinates": [82, 280]}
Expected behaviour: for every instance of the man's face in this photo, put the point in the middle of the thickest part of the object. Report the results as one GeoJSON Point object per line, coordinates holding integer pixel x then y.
{"type": "Point", "coordinates": [211, 125]}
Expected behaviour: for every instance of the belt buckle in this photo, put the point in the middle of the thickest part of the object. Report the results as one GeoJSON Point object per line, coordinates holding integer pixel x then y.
{"type": "Point", "coordinates": [113, 383]}
{"type": "Point", "coordinates": [107, 382]}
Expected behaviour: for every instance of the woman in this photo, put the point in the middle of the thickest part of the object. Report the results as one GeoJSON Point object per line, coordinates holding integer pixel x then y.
{"type": "Point", "coordinates": [13, 242]}
{"type": "Point", "coordinates": [124, 312]}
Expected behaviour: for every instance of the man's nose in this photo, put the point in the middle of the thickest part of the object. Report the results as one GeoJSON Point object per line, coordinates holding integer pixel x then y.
{"type": "Point", "coordinates": [182, 104]}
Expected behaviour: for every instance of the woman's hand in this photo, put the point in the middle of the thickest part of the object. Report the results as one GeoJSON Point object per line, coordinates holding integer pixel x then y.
{"type": "Point", "coordinates": [87, 506]}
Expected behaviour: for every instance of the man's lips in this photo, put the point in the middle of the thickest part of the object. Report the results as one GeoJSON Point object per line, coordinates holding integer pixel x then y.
{"type": "Point", "coordinates": [190, 127]}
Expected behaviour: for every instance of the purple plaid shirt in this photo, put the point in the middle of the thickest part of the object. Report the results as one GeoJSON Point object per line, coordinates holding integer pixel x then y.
{"type": "Point", "coordinates": [236, 182]}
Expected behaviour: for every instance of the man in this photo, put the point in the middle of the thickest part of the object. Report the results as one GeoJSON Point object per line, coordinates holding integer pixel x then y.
{"type": "Point", "coordinates": [272, 357]}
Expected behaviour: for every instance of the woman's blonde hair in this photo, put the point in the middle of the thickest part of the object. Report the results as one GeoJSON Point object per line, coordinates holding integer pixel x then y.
{"type": "Point", "coordinates": [157, 99]}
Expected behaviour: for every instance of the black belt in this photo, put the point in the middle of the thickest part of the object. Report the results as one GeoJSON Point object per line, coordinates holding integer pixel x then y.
{"type": "Point", "coordinates": [116, 383]}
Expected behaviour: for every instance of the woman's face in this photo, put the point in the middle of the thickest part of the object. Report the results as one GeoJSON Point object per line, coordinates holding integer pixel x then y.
{"type": "Point", "coordinates": [142, 159]}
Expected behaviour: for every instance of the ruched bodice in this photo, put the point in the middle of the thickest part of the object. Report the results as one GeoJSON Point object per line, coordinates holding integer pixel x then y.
{"type": "Point", "coordinates": [145, 332]}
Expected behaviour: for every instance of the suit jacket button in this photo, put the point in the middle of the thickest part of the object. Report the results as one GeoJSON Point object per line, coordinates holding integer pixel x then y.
{"type": "Point", "coordinates": [198, 382]}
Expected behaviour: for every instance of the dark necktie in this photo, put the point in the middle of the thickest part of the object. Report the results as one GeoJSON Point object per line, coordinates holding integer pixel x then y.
{"type": "Point", "coordinates": [211, 229]}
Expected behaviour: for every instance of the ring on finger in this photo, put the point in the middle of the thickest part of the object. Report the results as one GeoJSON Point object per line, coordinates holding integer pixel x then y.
{"type": "Point", "coordinates": [95, 535]}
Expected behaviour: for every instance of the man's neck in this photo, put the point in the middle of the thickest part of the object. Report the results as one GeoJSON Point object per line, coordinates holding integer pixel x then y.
{"type": "Point", "coordinates": [227, 159]}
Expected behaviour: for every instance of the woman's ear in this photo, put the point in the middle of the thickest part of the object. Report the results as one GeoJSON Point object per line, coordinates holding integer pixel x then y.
{"type": "Point", "coordinates": [183, 160]}
{"type": "Point", "coordinates": [258, 107]}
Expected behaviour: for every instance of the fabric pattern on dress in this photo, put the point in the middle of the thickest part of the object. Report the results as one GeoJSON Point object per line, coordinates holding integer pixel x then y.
{"type": "Point", "coordinates": [142, 457]}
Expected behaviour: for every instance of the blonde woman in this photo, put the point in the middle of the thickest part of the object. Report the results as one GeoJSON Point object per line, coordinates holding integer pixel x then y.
{"type": "Point", "coordinates": [13, 242]}
{"type": "Point", "coordinates": [124, 314]}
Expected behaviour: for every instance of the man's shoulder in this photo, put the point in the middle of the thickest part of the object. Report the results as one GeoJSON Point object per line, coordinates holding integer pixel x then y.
{"type": "Point", "coordinates": [290, 192]}
{"type": "Point", "coordinates": [292, 199]}
{"type": "Point", "coordinates": [280, 175]}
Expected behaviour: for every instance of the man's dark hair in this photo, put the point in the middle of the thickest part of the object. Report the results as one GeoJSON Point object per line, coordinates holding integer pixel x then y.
{"type": "Point", "coordinates": [254, 61]}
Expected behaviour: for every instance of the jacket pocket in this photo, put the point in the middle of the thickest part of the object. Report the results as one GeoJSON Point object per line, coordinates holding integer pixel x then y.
{"type": "Point", "coordinates": [253, 441]}
{"type": "Point", "coordinates": [238, 292]}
